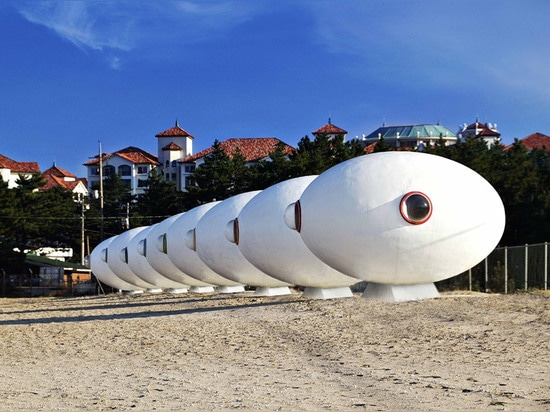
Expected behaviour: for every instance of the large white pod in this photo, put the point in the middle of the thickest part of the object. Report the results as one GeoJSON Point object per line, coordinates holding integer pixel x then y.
{"type": "Point", "coordinates": [222, 256]}
{"type": "Point", "coordinates": [266, 242]}
{"type": "Point", "coordinates": [98, 263]}
{"type": "Point", "coordinates": [156, 254]}
{"type": "Point", "coordinates": [117, 252]}
{"type": "Point", "coordinates": [138, 263]}
{"type": "Point", "coordinates": [400, 218]}
{"type": "Point", "coordinates": [180, 244]}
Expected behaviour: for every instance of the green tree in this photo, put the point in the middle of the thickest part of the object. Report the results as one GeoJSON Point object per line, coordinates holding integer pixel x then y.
{"type": "Point", "coordinates": [219, 177]}
{"type": "Point", "coordinates": [314, 157]}
{"type": "Point", "coordinates": [119, 209]}
{"type": "Point", "coordinates": [382, 146]}
{"type": "Point", "coordinates": [159, 200]}
{"type": "Point", "coordinates": [275, 169]}
{"type": "Point", "coordinates": [26, 227]}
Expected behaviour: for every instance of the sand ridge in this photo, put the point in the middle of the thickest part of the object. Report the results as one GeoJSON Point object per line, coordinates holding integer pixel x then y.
{"type": "Point", "coordinates": [463, 351]}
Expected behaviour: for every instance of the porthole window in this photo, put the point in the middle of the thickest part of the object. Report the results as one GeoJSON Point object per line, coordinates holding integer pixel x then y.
{"type": "Point", "coordinates": [416, 208]}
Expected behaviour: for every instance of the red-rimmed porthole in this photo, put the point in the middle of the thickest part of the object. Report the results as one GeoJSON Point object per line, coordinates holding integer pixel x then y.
{"type": "Point", "coordinates": [416, 208]}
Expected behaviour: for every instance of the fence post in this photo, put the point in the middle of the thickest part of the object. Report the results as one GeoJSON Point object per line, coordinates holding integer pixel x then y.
{"type": "Point", "coordinates": [545, 265]}
{"type": "Point", "coordinates": [505, 270]}
{"type": "Point", "coordinates": [486, 274]}
{"type": "Point", "coordinates": [470, 279]}
{"type": "Point", "coordinates": [526, 261]}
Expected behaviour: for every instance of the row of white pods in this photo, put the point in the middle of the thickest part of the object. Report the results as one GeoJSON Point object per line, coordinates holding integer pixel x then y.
{"type": "Point", "coordinates": [397, 220]}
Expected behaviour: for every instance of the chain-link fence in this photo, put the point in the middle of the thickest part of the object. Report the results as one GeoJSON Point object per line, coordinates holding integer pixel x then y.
{"type": "Point", "coordinates": [505, 270]}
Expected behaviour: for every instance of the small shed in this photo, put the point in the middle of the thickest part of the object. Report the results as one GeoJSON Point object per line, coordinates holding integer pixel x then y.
{"type": "Point", "coordinates": [59, 277]}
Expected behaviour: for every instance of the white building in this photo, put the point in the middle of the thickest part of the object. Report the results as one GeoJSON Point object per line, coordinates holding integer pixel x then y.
{"type": "Point", "coordinates": [11, 169]}
{"type": "Point", "coordinates": [131, 164]}
{"type": "Point", "coordinates": [173, 145]}
{"type": "Point", "coordinates": [477, 130]}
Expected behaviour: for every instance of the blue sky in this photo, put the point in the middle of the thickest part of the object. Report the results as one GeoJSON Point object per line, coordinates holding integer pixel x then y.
{"type": "Point", "coordinates": [73, 73]}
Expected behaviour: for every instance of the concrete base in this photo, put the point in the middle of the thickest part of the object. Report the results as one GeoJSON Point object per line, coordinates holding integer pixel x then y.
{"type": "Point", "coordinates": [154, 290]}
{"type": "Point", "coordinates": [327, 293]}
{"type": "Point", "coordinates": [230, 289]}
{"type": "Point", "coordinates": [178, 290]}
{"type": "Point", "coordinates": [133, 292]}
{"type": "Point", "coordinates": [276, 291]}
{"type": "Point", "coordinates": [400, 293]}
{"type": "Point", "coordinates": [201, 289]}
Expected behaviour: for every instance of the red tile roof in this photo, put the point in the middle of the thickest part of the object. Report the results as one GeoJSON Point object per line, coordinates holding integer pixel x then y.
{"type": "Point", "coordinates": [370, 148]}
{"type": "Point", "coordinates": [56, 181]}
{"type": "Point", "coordinates": [131, 153]}
{"type": "Point", "coordinates": [536, 141]}
{"type": "Point", "coordinates": [329, 128]}
{"type": "Point", "coordinates": [172, 146]}
{"type": "Point", "coordinates": [58, 172]}
{"type": "Point", "coordinates": [484, 130]}
{"type": "Point", "coordinates": [174, 131]}
{"type": "Point", "coordinates": [18, 167]}
{"type": "Point", "coordinates": [252, 148]}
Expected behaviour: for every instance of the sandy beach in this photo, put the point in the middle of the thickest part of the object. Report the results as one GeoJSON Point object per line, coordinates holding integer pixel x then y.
{"type": "Point", "coordinates": [463, 351]}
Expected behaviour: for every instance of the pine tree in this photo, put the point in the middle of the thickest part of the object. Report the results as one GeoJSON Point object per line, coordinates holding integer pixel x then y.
{"type": "Point", "coordinates": [159, 200]}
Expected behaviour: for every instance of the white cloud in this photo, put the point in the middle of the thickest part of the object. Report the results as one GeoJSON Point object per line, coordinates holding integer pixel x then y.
{"type": "Point", "coordinates": [125, 25]}
{"type": "Point", "coordinates": [95, 25]}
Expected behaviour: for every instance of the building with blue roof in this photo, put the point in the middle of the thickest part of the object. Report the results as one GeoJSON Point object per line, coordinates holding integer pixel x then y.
{"type": "Point", "coordinates": [413, 136]}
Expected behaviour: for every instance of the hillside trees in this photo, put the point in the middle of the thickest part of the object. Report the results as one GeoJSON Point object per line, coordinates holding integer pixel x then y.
{"type": "Point", "coordinates": [159, 200]}
{"type": "Point", "coordinates": [219, 177]}
{"type": "Point", "coordinates": [313, 157]}
{"type": "Point", "coordinates": [30, 219]}
{"type": "Point", "coordinates": [521, 178]}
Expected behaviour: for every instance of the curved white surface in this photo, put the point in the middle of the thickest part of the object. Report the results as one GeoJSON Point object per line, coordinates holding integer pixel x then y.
{"type": "Point", "coordinates": [140, 266]}
{"type": "Point", "coordinates": [103, 272]}
{"type": "Point", "coordinates": [187, 259]}
{"type": "Point", "coordinates": [159, 260]}
{"type": "Point", "coordinates": [219, 253]}
{"type": "Point", "coordinates": [267, 242]}
{"type": "Point", "coordinates": [350, 218]}
{"type": "Point", "coordinates": [117, 263]}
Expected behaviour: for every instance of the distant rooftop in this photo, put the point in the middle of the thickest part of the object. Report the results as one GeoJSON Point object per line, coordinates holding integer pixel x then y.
{"type": "Point", "coordinates": [412, 131]}
{"type": "Point", "coordinates": [329, 128]}
{"type": "Point", "coordinates": [18, 167]}
{"type": "Point", "coordinates": [130, 153]}
{"type": "Point", "coordinates": [175, 131]}
{"type": "Point", "coordinates": [252, 148]}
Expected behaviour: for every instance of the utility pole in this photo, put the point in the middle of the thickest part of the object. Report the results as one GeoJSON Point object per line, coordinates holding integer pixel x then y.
{"type": "Point", "coordinates": [101, 229]}
{"type": "Point", "coordinates": [82, 251]}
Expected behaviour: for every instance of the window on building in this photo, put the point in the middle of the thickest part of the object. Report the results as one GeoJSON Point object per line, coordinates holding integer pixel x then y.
{"type": "Point", "coordinates": [174, 176]}
{"type": "Point", "coordinates": [127, 183]}
{"type": "Point", "coordinates": [174, 163]}
{"type": "Point", "coordinates": [188, 181]}
{"type": "Point", "coordinates": [142, 170]}
{"type": "Point", "coordinates": [167, 163]}
{"type": "Point", "coordinates": [108, 170]}
{"type": "Point", "coordinates": [125, 170]}
{"type": "Point", "coordinates": [189, 169]}
{"type": "Point", "coordinates": [94, 171]}
{"type": "Point", "coordinates": [142, 183]}
{"type": "Point", "coordinates": [167, 177]}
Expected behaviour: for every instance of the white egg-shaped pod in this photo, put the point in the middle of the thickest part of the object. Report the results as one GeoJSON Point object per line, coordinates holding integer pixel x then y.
{"type": "Point", "coordinates": [101, 270]}
{"type": "Point", "coordinates": [268, 243]}
{"type": "Point", "coordinates": [401, 218]}
{"type": "Point", "coordinates": [118, 258]}
{"type": "Point", "coordinates": [157, 254]}
{"type": "Point", "coordinates": [223, 256]}
{"type": "Point", "coordinates": [184, 257]}
{"type": "Point", "coordinates": [137, 260]}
